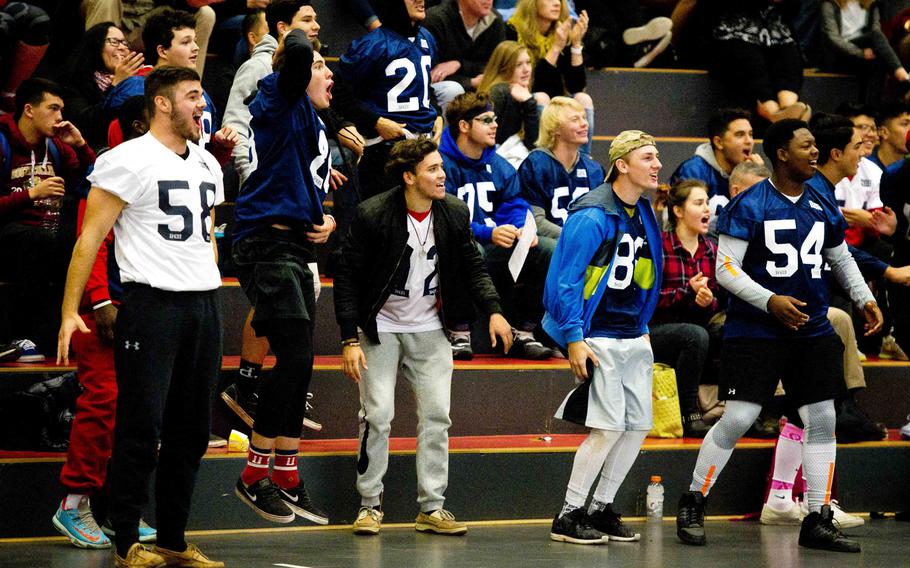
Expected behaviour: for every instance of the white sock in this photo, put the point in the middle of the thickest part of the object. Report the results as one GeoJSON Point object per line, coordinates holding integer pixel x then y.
{"type": "Point", "coordinates": [589, 460]}
{"type": "Point", "coordinates": [72, 501]}
{"type": "Point", "coordinates": [788, 456]}
{"type": "Point", "coordinates": [819, 452]}
{"type": "Point", "coordinates": [619, 462]}
{"type": "Point", "coordinates": [523, 334]}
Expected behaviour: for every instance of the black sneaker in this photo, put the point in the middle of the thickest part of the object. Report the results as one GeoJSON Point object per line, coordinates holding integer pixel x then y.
{"type": "Point", "coordinates": [575, 527]}
{"type": "Point", "coordinates": [610, 523]}
{"type": "Point", "coordinates": [263, 498]}
{"type": "Point", "coordinates": [461, 348]}
{"type": "Point", "coordinates": [243, 404]}
{"type": "Point", "coordinates": [529, 348]}
{"type": "Point", "coordinates": [298, 500]}
{"type": "Point", "coordinates": [818, 531]}
{"type": "Point", "coordinates": [694, 426]}
{"type": "Point", "coordinates": [690, 518]}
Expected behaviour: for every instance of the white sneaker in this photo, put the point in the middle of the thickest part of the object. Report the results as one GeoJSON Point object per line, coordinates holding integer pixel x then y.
{"type": "Point", "coordinates": [652, 31]}
{"type": "Point", "coordinates": [772, 516]}
{"type": "Point", "coordinates": [891, 350]}
{"type": "Point", "coordinates": [842, 519]}
{"type": "Point", "coordinates": [905, 430]}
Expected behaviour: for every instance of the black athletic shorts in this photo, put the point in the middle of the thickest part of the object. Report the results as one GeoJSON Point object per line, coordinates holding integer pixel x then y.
{"type": "Point", "coordinates": [811, 369]}
{"type": "Point", "coordinates": [272, 269]}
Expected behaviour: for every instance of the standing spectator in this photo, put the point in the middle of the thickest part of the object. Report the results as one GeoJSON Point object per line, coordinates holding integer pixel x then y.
{"type": "Point", "coordinates": [601, 290]}
{"type": "Point", "coordinates": [415, 242]}
{"type": "Point", "coordinates": [466, 32]}
{"type": "Point", "coordinates": [383, 86]}
{"type": "Point", "coordinates": [46, 161]}
{"type": "Point", "coordinates": [556, 173]}
{"type": "Point", "coordinates": [24, 36]}
{"type": "Point", "coordinates": [683, 331]}
{"type": "Point", "coordinates": [855, 44]}
{"type": "Point", "coordinates": [102, 61]}
{"type": "Point", "coordinates": [756, 57]}
{"type": "Point", "coordinates": [554, 42]}
{"type": "Point", "coordinates": [507, 79]}
{"type": "Point", "coordinates": [168, 333]}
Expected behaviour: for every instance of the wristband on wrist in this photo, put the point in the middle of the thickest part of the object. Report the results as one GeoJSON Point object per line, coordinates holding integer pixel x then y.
{"type": "Point", "coordinates": [576, 50]}
{"type": "Point", "coordinates": [353, 342]}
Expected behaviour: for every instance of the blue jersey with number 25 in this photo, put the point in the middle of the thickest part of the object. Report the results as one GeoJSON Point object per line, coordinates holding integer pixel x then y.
{"type": "Point", "coordinates": [784, 255]}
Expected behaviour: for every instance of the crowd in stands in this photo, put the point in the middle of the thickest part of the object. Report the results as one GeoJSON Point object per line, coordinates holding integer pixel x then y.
{"type": "Point", "coordinates": [501, 91]}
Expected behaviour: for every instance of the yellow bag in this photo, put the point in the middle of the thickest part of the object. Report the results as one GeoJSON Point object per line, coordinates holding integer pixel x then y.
{"type": "Point", "coordinates": [665, 399]}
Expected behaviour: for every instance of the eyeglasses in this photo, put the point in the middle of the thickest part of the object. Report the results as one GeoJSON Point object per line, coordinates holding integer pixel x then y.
{"type": "Point", "coordinates": [114, 42]}
{"type": "Point", "coordinates": [488, 120]}
{"type": "Point", "coordinates": [864, 127]}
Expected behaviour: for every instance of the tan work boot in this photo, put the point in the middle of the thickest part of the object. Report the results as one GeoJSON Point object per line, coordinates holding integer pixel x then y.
{"type": "Point", "coordinates": [369, 521]}
{"type": "Point", "coordinates": [440, 522]}
{"type": "Point", "coordinates": [138, 556]}
{"type": "Point", "coordinates": [192, 557]}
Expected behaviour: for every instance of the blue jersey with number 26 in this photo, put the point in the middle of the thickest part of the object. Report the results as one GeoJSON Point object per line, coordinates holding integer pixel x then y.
{"type": "Point", "coordinates": [784, 255]}
{"type": "Point", "coordinates": [391, 75]}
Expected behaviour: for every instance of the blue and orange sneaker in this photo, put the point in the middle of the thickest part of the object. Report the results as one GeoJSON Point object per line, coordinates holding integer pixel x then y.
{"type": "Point", "coordinates": [79, 526]}
{"type": "Point", "coordinates": [28, 351]}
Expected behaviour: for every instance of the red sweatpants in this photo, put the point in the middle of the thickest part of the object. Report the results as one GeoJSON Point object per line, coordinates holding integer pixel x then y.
{"type": "Point", "coordinates": [93, 427]}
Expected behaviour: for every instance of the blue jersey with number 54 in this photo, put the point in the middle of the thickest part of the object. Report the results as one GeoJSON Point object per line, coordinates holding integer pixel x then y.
{"type": "Point", "coordinates": [391, 75]}
{"type": "Point", "coordinates": [784, 255]}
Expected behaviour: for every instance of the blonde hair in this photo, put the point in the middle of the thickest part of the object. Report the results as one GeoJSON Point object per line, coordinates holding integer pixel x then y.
{"type": "Point", "coordinates": [551, 117]}
{"type": "Point", "coordinates": [525, 23]}
{"type": "Point", "coordinates": [501, 65]}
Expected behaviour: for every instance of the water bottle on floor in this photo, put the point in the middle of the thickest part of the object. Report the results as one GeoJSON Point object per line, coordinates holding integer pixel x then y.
{"type": "Point", "coordinates": [655, 499]}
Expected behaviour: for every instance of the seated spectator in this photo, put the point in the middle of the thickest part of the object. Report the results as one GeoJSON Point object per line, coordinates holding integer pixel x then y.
{"type": "Point", "coordinates": [507, 79]}
{"type": "Point", "coordinates": [46, 159]}
{"type": "Point", "coordinates": [102, 61]}
{"type": "Point", "coordinates": [684, 330]}
{"type": "Point", "coordinates": [131, 16]}
{"type": "Point", "coordinates": [730, 143]}
{"type": "Point", "coordinates": [554, 42]}
{"type": "Point", "coordinates": [743, 176]}
{"type": "Point", "coordinates": [893, 122]}
{"type": "Point", "coordinates": [757, 59]}
{"type": "Point", "coordinates": [852, 33]}
{"type": "Point", "coordinates": [466, 33]}
{"type": "Point", "coordinates": [489, 186]}
{"type": "Point", "coordinates": [253, 28]}
{"type": "Point", "coordinates": [24, 37]}
{"type": "Point", "coordinates": [557, 173]}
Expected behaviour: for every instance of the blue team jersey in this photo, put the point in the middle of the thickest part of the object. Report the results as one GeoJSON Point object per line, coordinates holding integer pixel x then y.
{"type": "Point", "coordinates": [784, 255]}
{"type": "Point", "coordinates": [291, 161]}
{"type": "Point", "coordinates": [545, 183]}
{"type": "Point", "coordinates": [633, 275]}
{"type": "Point", "coordinates": [135, 86]}
{"type": "Point", "coordinates": [698, 168]}
{"type": "Point", "coordinates": [489, 186]}
{"type": "Point", "coordinates": [392, 76]}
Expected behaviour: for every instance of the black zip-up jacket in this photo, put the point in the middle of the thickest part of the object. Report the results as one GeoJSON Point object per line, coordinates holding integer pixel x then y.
{"type": "Point", "coordinates": [375, 245]}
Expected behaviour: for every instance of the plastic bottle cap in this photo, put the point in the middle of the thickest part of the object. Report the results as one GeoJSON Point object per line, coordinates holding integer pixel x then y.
{"type": "Point", "coordinates": [655, 479]}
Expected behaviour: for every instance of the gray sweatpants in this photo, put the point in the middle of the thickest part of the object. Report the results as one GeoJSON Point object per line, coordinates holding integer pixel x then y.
{"type": "Point", "coordinates": [425, 360]}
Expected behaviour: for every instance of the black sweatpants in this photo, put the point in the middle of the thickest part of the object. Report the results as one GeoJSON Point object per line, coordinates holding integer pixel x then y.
{"type": "Point", "coordinates": [167, 354]}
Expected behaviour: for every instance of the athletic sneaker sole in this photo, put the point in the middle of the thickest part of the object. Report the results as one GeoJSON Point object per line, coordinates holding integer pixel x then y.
{"type": "Point", "coordinates": [572, 540]}
{"type": "Point", "coordinates": [31, 359]}
{"type": "Point", "coordinates": [652, 31]}
{"type": "Point", "coordinates": [77, 542]}
{"type": "Point", "coordinates": [635, 538]}
{"type": "Point", "coordinates": [308, 515]}
{"type": "Point", "coordinates": [282, 519]}
{"type": "Point", "coordinates": [248, 420]}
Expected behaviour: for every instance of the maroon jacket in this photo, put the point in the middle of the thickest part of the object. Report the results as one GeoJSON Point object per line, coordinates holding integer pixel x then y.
{"type": "Point", "coordinates": [15, 204]}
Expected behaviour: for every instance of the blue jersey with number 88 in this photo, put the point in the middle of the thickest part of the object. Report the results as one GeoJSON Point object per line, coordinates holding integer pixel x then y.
{"type": "Point", "coordinates": [784, 255]}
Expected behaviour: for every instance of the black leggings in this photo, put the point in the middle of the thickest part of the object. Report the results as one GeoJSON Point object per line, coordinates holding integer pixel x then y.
{"type": "Point", "coordinates": [756, 72]}
{"type": "Point", "coordinates": [282, 392]}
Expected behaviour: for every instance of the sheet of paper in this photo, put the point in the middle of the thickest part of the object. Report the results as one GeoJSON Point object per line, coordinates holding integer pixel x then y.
{"type": "Point", "coordinates": [522, 246]}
